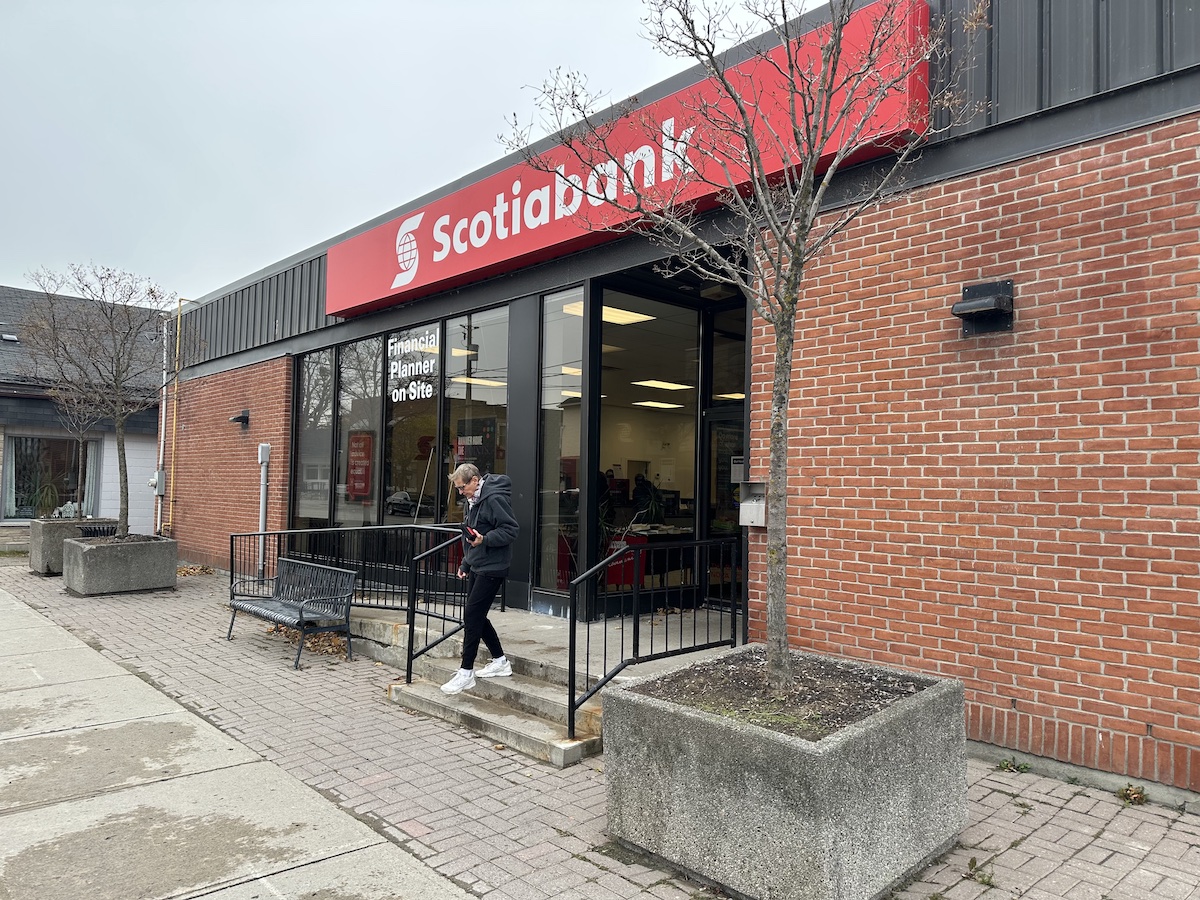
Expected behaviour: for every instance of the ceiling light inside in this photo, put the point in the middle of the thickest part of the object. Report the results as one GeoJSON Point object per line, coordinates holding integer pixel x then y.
{"type": "Point", "coordinates": [485, 382]}
{"type": "Point", "coordinates": [731, 396]}
{"type": "Point", "coordinates": [663, 385]}
{"type": "Point", "coordinates": [614, 315]}
{"type": "Point", "coordinates": [657, 404]}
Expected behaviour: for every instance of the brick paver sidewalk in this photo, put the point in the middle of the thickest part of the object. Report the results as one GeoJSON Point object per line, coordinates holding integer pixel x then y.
{"type": "Point", "coordinates": [504, 826]}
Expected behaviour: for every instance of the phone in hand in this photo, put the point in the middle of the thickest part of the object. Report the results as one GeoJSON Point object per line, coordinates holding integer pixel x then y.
{"type": "Point", "coordinates": [470, 533]}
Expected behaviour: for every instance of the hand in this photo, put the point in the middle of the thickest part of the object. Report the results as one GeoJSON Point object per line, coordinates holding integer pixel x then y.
{"type": "Point", "coordinates": [478, 539]}
{"type": "Point", "coordinates": [462, 574]}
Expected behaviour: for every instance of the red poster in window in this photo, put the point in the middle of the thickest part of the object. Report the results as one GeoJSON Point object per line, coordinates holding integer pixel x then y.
{"type": "Point", "coordinates": [360, 453]}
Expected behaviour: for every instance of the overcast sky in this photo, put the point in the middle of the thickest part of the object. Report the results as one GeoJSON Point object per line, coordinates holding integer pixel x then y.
{"type": "Point", "coordinates": [197, 141]}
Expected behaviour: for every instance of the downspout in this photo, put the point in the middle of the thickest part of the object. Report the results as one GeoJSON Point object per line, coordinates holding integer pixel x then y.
{"type": "Point", "coordinates": [174, 421]}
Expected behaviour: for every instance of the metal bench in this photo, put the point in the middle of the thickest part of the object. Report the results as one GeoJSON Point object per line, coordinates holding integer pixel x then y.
{"type": "Point", "coordinates": [306, 596]}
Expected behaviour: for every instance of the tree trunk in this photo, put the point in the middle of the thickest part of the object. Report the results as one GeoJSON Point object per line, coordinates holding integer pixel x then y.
{"type": "Point", "coordinates": [123, 470]}
{"type": "Point", "coordinates": [779, 660]}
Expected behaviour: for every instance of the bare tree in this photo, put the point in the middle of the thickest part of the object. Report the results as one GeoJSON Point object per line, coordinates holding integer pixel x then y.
{"type": "Point", "coordinates": [753, 157]}
{"type": "Point", "coordinates": [97, 339]}
{"type": "Point", "coordinates": [79, 415]}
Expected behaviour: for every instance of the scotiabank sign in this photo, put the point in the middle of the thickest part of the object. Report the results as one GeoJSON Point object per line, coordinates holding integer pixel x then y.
{"type": "Point", "coordinates": [530, 213]}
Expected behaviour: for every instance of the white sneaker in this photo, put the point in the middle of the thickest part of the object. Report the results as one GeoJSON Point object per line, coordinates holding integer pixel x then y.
{"type": "Point", "coordinates": [463, 679]}
{"type": "Point", "coordinates": [497, 668]}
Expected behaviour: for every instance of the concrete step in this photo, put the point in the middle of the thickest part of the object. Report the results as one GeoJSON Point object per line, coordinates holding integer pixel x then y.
{"type": "Point", "coordinates": [530, 693]}
{"type": "Point", "coordinates": [520, 730]}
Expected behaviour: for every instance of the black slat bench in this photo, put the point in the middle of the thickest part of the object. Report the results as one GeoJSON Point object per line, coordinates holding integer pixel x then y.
{"type": "Point", "coordinates": [306, 596]}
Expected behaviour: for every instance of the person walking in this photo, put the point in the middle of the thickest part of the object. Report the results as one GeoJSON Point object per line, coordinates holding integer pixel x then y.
{"type": "Point", "coordinates": [489, 529]}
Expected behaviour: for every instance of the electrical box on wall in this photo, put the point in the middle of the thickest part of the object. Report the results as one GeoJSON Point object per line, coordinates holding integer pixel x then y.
{"type": "Point", "coordinates": [753, 509]}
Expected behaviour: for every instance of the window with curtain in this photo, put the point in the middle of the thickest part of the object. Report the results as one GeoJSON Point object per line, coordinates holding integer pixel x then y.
{"type": "Point", "coordinates": [49, 476]}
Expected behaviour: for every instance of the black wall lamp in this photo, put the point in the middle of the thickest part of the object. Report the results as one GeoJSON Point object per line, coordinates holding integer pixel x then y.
{"type": "Point", "coordinates": [985, 308]}
{"type": "Point", "coordinates": [244, 418]}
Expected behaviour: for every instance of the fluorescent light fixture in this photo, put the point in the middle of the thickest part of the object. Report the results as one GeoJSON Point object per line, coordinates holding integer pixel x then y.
{"type": "Point", "coordinates": [572, 370]}
{"type": "Point", "coordinates": [614, 315]}
{"type": "Point", "coordinates": [571, 394]}
{"type": "Point", "coordinates": [611, 348]}
{"type": "Point", "coordinates": [460, 351]}
{"type": "Point", "coordinates": [663, 385]}
{"type": "Point", "coordinates": [485, 382]}
{"type": "Point", "coordinates": [657, 404]}
{"type": "Point", "coordinates": [731, 396]}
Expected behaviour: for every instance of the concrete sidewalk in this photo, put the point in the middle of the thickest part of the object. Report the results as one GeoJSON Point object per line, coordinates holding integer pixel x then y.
{"type": "Point", "coordinates": [272, 783]}
{"type": "Point", "coordinates": [110, 789]}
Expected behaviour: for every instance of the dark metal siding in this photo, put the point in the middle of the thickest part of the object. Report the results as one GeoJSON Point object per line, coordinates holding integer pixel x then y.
{"type": "Point", "coordinates": [280, 306]}
{"type": "Point", "coordinates": [1033, 56]}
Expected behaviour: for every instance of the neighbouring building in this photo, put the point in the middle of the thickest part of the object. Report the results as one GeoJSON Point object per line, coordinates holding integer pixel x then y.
{"type": "Point", "coordinates": [1013, 501]}
{"type": "Point", "coordinates": [40, 467]}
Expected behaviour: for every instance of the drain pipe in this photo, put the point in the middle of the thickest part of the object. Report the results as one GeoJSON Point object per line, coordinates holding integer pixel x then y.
{"type": "Point", "coordinates": [264, 456]}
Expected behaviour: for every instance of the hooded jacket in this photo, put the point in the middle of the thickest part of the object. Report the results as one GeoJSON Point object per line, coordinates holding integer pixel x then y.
{"type": "Point", "coordinates": [491, 515]}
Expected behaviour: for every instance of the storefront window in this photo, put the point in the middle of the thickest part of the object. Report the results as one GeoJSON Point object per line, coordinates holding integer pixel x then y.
{"type": "Point", "coordinates": [412, 474]}
{"type": "Point", "coordinates": [562, 392]}
{"type": "Point", "coordinates": [648, 413]}
{"type": "Point", "coordinates": [729, 357]}
{"type": "Point", "coordinates": [476, 396]}
{"type": "Point", "coordinates": [313, 435]}
{"type": "Point", "coordinates": [43, 477]}
{"type": "Point", "coordinates": [360, 383]}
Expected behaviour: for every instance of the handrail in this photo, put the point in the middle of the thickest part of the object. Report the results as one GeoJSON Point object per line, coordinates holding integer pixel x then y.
{"type": "Point", "coordinates": [412, 653]}
{"type": "Point", "coordinates": [696, 579]}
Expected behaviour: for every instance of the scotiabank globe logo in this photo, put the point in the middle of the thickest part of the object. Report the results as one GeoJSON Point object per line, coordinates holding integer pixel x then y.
{"type": "Point", "coordinates": [408, 254]}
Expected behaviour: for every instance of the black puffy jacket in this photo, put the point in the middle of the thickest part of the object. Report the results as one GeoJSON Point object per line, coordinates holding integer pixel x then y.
{"type": "Point", "coordinates": [491, 515]}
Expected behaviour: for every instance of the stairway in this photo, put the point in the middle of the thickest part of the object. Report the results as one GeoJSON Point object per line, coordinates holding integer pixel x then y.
{"type": "Point", "coordinates": [526, 711]}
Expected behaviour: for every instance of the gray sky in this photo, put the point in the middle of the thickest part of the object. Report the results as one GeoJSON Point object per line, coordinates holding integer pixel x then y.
{"type": "Point", "coordinates": [197, 141]}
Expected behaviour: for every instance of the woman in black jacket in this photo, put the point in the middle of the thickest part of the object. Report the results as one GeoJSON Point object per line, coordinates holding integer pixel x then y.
{"type": "Point", "coordinates": [489, 529]}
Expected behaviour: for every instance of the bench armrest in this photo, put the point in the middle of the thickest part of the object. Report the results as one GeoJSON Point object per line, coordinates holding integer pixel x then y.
{"type": "Point", "coordinates": [268, 583]}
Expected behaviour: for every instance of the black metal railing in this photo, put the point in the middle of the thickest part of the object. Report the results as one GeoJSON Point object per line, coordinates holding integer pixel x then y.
{"type": "Point", "coordinates": [437, 596]}
{"type": "Point", "coordinates": [647, 600]}
{"type": "Point", "coordinates": [381, 555]}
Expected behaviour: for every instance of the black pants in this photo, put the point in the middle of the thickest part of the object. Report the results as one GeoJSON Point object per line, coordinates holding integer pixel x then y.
{"type": "Point", "coordinates": [480, 594]}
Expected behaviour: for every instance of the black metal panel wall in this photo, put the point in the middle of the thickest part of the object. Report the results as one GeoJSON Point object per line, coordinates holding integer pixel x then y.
{"type": "Point", "coordinates": [1032, 56]}
{"type": "Point", "coordinates": [1038, 54]}
{"type": "Point", "coordinates": [282, 305]}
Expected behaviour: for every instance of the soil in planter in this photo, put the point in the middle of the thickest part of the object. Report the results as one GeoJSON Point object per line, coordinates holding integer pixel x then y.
{"type": "Point", "coordinates": [827, 695]}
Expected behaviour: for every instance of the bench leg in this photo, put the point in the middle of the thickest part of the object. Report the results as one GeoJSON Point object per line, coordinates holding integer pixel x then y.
{"type": "Point", "coordinates": [296, 664]}
{"type": "Point", "coordinates": [229, 637]}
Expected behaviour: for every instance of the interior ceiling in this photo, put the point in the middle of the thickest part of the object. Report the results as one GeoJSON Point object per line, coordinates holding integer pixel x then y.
{"type": "Point", "coordinates": [665, 348]}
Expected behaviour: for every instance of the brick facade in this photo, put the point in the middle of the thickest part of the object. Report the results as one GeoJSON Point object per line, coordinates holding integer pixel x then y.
{"type": "Point", "coordinates": [1017, 510]}
{"type": "Point", "coordinates": [213, 473]}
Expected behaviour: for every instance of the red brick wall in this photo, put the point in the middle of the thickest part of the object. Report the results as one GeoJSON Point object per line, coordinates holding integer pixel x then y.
{"type": "Point", "coordinates": [213, 472]}
{"type": "Point", "coordinates": [1020, 511]}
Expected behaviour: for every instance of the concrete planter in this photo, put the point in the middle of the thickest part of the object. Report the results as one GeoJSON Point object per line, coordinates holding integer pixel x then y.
{"type": "Point", "coordinates": [46, 538]}
{"type": "Point", "coordinates": [94, 567]}
{"type": "Point", "coordinates": [764, 814]}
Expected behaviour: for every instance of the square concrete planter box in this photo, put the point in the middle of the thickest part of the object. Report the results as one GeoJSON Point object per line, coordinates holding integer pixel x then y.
{"type": "Point", "coordinates": [92, 566]}
{"type": "Point", "coordinates": [764, 814]}
{"type": "Point", "coordinates": [46, 538]}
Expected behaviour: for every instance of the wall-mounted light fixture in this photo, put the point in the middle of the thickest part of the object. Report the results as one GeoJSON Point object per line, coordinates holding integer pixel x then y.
{"type": "Point", "coordinates": [985, 308]}
{"type": "Point", "coordinates": [244, 418]}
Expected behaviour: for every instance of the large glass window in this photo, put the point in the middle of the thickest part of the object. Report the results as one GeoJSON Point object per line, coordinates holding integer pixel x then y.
{"type": "Point", "coordinates": [360, 367]}
{"type": "Point", "coordinates": [411, 468]}
{"type": "Point", "coordinates": [562, 389]}
{"type": "Point", "coordinates": [49, 476]}
{"type": "Point", "coordinates": [476, 397]}
{"type": "Point", "coordinates": [314, 433]}
{"type": "Point", "coordinates": [648, 412]}
{"type": "Point", "coordinates": [729, 357]}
